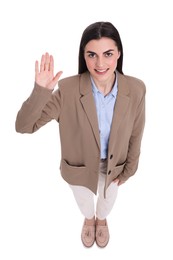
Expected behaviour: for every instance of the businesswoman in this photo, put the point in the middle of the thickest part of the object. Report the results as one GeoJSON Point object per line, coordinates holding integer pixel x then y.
{"type": "Point", "coordinates": [101, 116]}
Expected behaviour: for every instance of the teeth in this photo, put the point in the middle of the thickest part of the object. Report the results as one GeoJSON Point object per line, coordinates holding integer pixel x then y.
{"type": "Point", "coordinates": [101, 70]}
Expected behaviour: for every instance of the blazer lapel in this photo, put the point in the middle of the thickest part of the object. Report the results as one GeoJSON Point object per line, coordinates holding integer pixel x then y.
{"type": "Point", "coordinates": [88, 104]}
{"type": "Point", "coordinates": [121, 107]}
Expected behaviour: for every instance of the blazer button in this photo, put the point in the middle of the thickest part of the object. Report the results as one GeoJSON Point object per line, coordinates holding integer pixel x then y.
{"type": "Point", "coordinates": [111, 156]}
{"type": "Point", "coordinates": [109, 172]}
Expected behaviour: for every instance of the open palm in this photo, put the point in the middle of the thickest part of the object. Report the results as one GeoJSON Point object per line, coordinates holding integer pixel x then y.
{"type": "Point", "coordinates": [45, 75]}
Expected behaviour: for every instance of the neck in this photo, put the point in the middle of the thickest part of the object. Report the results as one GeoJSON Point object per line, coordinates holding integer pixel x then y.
{"type": "Point", "coordinates": [105, 87]}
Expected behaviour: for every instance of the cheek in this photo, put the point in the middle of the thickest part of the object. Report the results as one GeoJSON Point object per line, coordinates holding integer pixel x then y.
{"type": "Point", "coordinates": [89, 64]}
{"type": "Point", "coordinates": [113, 63]}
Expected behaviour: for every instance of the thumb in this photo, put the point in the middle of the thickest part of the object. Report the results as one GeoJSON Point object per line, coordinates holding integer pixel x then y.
{"type": "Point", "coordinates": [55, 80]}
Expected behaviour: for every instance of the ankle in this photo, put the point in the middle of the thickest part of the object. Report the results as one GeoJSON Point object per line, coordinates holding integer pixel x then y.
{"type": "Point", "coordinates": [101, 222]}
{"type": "Point", "coordinates": [90, 221]}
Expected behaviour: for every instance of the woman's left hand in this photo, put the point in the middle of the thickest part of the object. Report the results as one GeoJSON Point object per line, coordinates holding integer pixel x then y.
{"type": "Point", "coordinates": [118, 181]}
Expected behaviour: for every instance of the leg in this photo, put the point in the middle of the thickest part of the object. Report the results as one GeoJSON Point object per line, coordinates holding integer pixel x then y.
{"type": "Point", "coordinates": [85, 201]}
{"type": "Point", "coordinates": [105, 205]}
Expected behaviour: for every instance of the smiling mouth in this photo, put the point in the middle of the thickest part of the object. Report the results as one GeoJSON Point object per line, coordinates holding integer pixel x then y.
{"type": "Point", "coordinates": [101, 71]}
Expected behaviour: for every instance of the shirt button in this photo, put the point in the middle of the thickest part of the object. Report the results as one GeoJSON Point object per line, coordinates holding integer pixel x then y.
{"type": "Point", "coordinates": [111, 156]}
{"type": "Point", "coordinates": [109, 172]}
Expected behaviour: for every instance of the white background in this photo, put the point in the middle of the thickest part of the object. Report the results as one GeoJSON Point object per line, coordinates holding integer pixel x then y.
{"type": "Point", "coordinates": [38, 215]}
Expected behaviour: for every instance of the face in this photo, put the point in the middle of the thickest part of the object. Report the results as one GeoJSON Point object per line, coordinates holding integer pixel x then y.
{"type": "Point", "coordinates": [101, 58]}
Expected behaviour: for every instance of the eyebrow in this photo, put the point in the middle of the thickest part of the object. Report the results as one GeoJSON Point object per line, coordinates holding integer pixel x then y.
{"type": "Point", "coordinates": [103, 52]}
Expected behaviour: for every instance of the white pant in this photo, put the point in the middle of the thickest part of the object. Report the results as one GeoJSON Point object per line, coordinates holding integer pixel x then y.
{"type": "Point", "coordinates": [85, 197]}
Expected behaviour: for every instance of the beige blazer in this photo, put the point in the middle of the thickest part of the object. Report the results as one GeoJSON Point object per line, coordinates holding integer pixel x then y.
{"type": "Point", "coordinates": [73, 106]}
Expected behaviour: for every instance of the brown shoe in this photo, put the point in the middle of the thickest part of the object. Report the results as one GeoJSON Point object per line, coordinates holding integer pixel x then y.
{"type": "Point", "coordinates": [88, 234]}
{"type": "Point", "coordinates": [102, 235]}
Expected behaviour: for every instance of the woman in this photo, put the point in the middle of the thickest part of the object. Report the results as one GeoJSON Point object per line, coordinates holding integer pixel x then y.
{"type": "Point", "coordinates": [101, 114]}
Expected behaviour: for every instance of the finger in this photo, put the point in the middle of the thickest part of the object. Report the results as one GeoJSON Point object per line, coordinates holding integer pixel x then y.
{"type": "Point", "coordinates": [51, 67]}
{"type": "Point", "coordinates": [42, 63]}
{"type": "Point", "coordinates": [57, 76]}
{"type": "Point", "coordinates": [47, 61]}
{"type": "Point", "coordinates": [47, 57]}
{"type": "Point", "coordinates": [121, 182]}
{"type": "Point", "coordinates": [36, 69]}
{"type": "Point", "coordinates": [55, 80]}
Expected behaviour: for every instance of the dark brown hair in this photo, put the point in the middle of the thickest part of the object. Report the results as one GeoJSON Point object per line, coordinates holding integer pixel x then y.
{"type": "Point", "coordinates": [97, 31]}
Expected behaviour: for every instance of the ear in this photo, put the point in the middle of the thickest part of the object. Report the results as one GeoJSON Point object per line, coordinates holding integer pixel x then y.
{"type": "Point", "coordinates": [119, 54]}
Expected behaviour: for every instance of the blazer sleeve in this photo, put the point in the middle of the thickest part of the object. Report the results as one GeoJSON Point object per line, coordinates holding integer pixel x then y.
{"type": "Point", "coordinates": [135, 142]}
{"type": "Point", "coordinates": [41, 107]}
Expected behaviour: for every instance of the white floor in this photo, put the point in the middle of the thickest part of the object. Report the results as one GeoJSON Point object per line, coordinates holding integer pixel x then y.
{"type": "Point", "coordinates": [39, 219]}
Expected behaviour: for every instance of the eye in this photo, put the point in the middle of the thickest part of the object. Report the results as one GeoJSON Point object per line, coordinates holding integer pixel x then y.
{"type": "Point", "coordinates": [91, 55]}
{"type": "Point", "coordinates": [108, 54]}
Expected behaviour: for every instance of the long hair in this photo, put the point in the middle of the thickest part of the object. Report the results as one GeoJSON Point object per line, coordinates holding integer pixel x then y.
{"type": "Point", "coordinates": [97, 31]}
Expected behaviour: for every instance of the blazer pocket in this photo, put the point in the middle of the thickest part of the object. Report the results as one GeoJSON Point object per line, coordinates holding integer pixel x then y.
{"type": "Point", "coordinates": [118, 170]}
{"type": "Point", "coordinates": [72, 174]}
{"type": "Point", "coordinates": [73, 166]}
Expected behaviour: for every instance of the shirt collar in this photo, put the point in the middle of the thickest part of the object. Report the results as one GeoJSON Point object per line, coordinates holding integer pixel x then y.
{"type": "Point", "coordinates": [113, 91]}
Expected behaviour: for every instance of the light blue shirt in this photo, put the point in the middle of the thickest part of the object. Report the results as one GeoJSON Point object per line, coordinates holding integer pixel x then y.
{"type": "Point", "coordinates": [105, 108]}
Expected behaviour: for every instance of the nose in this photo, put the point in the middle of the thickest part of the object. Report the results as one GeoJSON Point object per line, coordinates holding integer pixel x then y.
{"type": "Point", "coordinates": [99, 62]}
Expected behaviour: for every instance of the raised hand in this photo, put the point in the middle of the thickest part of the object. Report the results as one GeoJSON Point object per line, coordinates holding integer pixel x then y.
{"type": "Point", "coordinates": [45, 75]}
